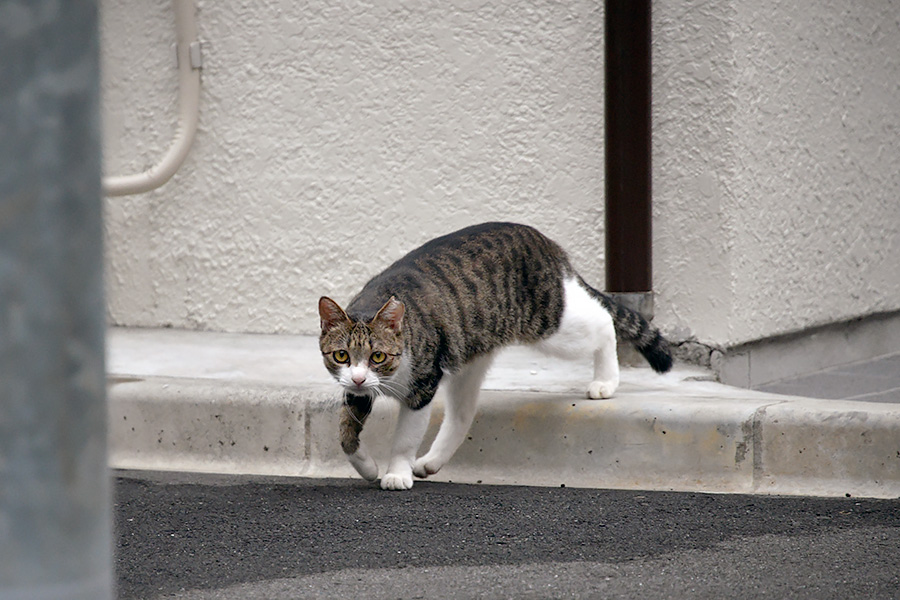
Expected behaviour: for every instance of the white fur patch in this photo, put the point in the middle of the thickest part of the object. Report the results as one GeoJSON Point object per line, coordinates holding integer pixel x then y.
{"type": "Point", "coordinates": [411, 426]}
{"type": "Point", "coordinates": [586, 329]}
{"type": "Point", "coordinates": [369, 386]}
{"type": "Point", "coordinates": [584, 326]}
{"type": "Point", "coordinates": [364, 464]}
{"type": "Point", "coordinates": [462, 398]}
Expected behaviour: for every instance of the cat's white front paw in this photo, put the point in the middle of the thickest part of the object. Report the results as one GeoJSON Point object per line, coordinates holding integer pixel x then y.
{"type": "Point", "coordinates": [601, 389]}
{"type": "Point", "coordinates": [364, 464]}
{"type": "Point", "coordinates": [397, 481]}
{"type": "Point", "coordinates": [425, 466]}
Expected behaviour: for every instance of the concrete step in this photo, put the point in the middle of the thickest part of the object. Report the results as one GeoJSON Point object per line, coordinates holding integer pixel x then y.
{"type": "Point", "coordinates": [255, 404]}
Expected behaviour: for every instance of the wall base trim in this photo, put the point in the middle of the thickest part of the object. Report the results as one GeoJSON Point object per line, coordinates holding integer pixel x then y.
{"type": "Point", "coordinates": [799, 353]}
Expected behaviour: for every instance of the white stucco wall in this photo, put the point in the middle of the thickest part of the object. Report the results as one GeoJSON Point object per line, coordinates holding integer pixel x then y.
{"type": "Point", "coordinates": [776, 187]}
{"type": "Point", "coordinates": [334, 138]}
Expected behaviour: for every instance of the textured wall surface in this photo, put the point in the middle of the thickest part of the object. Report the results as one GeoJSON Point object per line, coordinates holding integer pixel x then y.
{"type": "Point", "coordinates": [817, 148]}
{"type": "Point", "coordinates": [776, 187]}
{"type": "Point", "coordinates": [333, 138]}
{"type": "Point", "coordinates": [693, 162]}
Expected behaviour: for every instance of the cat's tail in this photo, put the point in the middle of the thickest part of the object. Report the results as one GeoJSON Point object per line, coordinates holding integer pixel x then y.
{"type": "Point", "coordinates": [634, 328]}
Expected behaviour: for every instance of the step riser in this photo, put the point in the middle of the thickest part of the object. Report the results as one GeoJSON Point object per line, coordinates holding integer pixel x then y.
{"type": "Point", "coordinates": [772, 446]}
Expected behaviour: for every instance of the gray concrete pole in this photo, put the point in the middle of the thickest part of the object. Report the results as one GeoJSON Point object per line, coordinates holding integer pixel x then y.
{"type": "Point", "coordinates": [55, 498]}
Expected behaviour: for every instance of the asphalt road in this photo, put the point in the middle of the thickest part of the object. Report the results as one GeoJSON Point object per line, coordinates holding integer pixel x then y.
{"type": "Point", "coordinates": [204, 537]}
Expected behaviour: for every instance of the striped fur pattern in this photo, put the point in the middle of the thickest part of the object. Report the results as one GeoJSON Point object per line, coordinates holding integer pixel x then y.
{"type": "Point", "coordinates": [441, 311]}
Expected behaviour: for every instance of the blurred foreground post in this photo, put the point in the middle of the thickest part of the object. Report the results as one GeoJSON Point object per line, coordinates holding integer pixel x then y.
{"type": "Point", "coordinates": [55, 511]}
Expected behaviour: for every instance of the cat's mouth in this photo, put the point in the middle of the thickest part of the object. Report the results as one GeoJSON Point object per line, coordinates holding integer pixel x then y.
{"type": "Point", "coordinates": [361, 388]}
{"type": "Point", "coordinates": [366, 387]}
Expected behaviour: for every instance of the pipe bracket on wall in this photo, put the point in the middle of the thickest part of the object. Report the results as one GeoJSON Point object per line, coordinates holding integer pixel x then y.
{"type": "Point", "coordinates": [196, 55]}
{"type": "Point", "coordinates": [195, 52]}
{"type": "Point", "coordinates": [190, 61]}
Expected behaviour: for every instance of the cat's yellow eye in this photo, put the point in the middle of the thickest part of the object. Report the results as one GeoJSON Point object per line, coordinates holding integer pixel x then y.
{"type": "Point", "coordinates": [378, 357]}
{"type": "Point", "coordinates": [340, 356]}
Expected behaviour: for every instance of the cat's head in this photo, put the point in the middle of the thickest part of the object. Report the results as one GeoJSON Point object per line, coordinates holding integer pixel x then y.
{"type": "Point", "coordinates": [362, 356]}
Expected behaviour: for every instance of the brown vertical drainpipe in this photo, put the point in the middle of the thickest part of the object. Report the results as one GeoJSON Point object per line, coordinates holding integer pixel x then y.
{"type": "Point", "coordinates": [628, 193]}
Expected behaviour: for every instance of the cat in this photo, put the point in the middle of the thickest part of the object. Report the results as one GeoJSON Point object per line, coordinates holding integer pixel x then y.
{"type": "Point", "coordinates": [443, 310]}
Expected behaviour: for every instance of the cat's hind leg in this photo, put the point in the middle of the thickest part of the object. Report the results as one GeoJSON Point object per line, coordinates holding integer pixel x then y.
{"type": "Point", "coordinates": [606, 369]}
{"type": "Point", "coordinates": [586, 329]}
{"type": "Point", "coordinates": [459, 412]}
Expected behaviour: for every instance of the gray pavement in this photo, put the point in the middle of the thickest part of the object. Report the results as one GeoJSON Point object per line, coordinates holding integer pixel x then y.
{"type": "Point", "coordinates": [206, 537]}
{"type": "Point", "coordinates": [251, 405]}
{"type": "Point", "coordinates": [874, 380]}
{"type": "Point", "coordinates": [264, 404]}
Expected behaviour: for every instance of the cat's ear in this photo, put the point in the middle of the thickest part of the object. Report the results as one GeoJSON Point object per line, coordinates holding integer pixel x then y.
{"type": "Point", "coordinates": [391, 314]}
{"type": "Point", "coordinates": [330, 313]}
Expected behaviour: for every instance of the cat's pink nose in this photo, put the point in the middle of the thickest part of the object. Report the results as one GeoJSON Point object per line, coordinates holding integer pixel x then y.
{"type": "Point", "coordinates": [359, 379]}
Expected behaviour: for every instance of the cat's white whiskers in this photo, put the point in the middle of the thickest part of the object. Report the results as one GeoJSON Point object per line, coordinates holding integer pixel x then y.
{"type": "Point", "coordinates": [396, 389]}
{"type": "Point", "coordinates": [354, 417]}
{"type": "Point", "coordinates": [397, 385]}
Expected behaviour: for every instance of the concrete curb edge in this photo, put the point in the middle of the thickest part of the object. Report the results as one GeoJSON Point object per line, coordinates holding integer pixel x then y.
{"type": "Point", "coordinates": [753, 443]}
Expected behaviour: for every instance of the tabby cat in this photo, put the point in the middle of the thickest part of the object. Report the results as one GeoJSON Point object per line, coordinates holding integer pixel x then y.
{"type": "Point", "coordinates": [442, 311]}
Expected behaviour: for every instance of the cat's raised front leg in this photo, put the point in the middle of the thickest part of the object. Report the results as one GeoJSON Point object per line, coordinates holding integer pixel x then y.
{"type": "Point", "coordinates": [354, 413]}
{"type": "Point", "coordinates": [411, 426]}
{"type": "Point", "coordinates": [459, 412]}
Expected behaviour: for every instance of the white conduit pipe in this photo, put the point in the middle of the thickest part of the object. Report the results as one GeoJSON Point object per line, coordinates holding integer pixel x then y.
{"type": "Point", "coordinates": [189, 64]}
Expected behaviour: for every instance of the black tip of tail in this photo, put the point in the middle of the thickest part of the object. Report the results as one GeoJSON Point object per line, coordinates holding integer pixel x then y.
{"type": "Point", "coordinates": [658, 354]}
{"type": "Point", "coordinates": [632, 327]}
